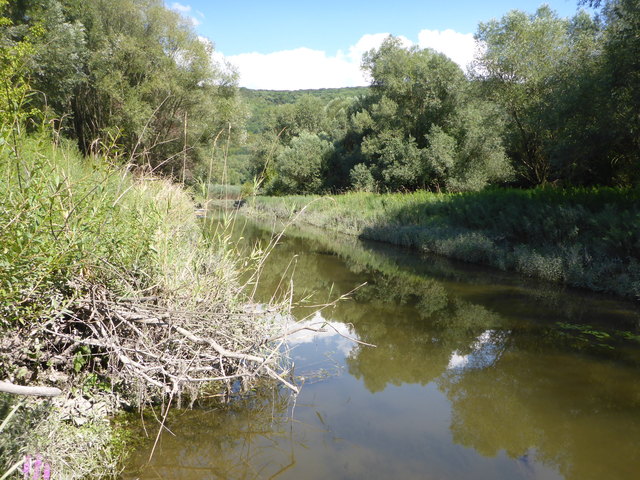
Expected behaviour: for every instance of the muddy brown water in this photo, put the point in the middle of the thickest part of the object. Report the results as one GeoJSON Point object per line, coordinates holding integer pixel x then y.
{"type": "Point", "coordinates": [476, 374]}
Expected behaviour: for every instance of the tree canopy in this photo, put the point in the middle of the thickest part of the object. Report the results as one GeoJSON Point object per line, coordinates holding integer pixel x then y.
{"type": "Point", "coordinates": [126, 77]}
{"type": "Point", "coordinates": [547, 100]}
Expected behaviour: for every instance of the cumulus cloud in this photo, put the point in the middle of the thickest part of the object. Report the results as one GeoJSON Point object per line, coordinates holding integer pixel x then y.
{"type": "Point", "coordinates": [178, 7]}
{"type": "Point", "coordinates": [459, 47]}
{"type": "Point", "coordinates": [304, 68]}
{"type": "Point", "coordinates": [296, 69]}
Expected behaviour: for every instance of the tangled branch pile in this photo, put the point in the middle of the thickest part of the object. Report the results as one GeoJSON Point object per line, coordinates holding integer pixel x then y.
{"type": "Point", "coordinates": [152, 349]}
{"type": "Point", "coordinates": [82, 241]}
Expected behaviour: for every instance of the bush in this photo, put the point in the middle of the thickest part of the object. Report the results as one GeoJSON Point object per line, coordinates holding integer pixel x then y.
{"type": "Point", "coordinates": [361, 178]}
{"type": "Point", "coordinates": [300, 166]}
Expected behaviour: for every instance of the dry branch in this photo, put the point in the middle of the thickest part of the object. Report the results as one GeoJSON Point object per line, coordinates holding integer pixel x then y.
{"type": "Point", "coordinates": [7, 387]}
{"type": "Point", "coordinates": [156, 349]}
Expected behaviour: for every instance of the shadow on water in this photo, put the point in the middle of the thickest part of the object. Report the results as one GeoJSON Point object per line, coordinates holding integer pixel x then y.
{"type": "Point", "coordinates": [476, 374]}
{"type": "Point", "coordinates": [220, 441]}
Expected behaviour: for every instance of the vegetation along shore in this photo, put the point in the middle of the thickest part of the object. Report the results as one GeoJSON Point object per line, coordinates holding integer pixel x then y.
{"type": "Point", "coordinates": [112, 295]}
{"type": "Point", "coordinates": [528, 161]}
{"type": "Point", "coordinates": [582, 237]}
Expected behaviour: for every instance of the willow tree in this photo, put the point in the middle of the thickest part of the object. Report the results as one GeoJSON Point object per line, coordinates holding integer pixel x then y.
{"type": "Point", "coordinates": [131, 78]}
{"type": "Point", "coordinates": [542, 70]}
{"type": "Point", "coordinates": [422, 128]}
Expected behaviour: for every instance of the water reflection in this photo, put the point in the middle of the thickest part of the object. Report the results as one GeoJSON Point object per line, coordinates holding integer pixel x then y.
{"type": "Point", "coordinates": [475, 374]}
{"type": "Point", "coordinates": [217, 443]}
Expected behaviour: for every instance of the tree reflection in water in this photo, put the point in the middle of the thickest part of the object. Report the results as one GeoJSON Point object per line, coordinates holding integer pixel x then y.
{"type": "Point", "coordinates": [535, 382]}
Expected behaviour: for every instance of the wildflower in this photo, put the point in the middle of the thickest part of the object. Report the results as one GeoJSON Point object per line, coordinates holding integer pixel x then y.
{"type": "Point", "coordinates": [46, 472]}
{"type": "Point", "coordinates": [36, 467]}
{"type": "Point", "coordinates": [26, 467]}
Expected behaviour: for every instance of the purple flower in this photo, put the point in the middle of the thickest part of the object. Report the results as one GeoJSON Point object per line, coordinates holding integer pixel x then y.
{"type": "Point", "coordinates": [36, 467]}
{"type": "Point", "coordinates": [46, 472]}
{"type": "Point", "coordinates": [26, 467]}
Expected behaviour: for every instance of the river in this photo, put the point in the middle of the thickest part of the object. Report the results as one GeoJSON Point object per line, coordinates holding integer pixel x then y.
{"type": "Point", "coordinates": [475, 374]}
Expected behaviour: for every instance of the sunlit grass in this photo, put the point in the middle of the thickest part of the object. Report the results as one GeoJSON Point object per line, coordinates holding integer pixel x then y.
{"type": "Point", "coordinates": [586, 237]}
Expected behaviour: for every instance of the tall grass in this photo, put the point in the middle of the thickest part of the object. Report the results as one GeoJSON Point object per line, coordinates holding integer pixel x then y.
{"type": "Point", "coordinates": [62, 219]}
{"type": "Point", "coordinates": [585, 237]}
{"type": "Point", "coordinates": [68, 224]}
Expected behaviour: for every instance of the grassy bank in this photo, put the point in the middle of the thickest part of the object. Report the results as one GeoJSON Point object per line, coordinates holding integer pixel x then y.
{"type": "Point", "coordinates": [110, 291]}
{"type": "Point", "coordinates": [588, 238]}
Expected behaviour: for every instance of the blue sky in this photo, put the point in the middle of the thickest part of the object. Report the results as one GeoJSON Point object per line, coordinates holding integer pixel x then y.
{"type": "Point", "coordinates": [297, 44]}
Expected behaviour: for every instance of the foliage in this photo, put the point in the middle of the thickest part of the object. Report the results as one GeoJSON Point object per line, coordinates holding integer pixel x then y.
{"type": "Point", "coordinates": [586, 237]}
{"type": "Point", "coordinates": [419, 125]}
{"type": "Point", "coordinates": [567, 87]}
{"type": "Point", "coordinates": [128, 73]}
{"type": "Point", "coordinates": [362, 179]}
{"type": "Point", "coordinates": [300, 166]}
{"type": "Point", "coordinates": [422, 127]}
{"type": "Point", "coordinates": [547, 100]}
{"type": "Point", "coordinates": [622, 68]}
{"type": "Point", "coordinates": [14, 87]}
{"type": "Point", "coordinates": [91, 450]}
{"type": "Point", "coordinates": [307, 114]}
{"type": "Point", "coordinates": [518, 66]}
{"type": "Point", "coordinates": [261, 102]}
{"type": "Point", "coordinates": [62, 219]}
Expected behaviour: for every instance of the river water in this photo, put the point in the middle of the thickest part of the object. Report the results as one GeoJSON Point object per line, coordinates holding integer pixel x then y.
{"type": "Point", "coordinates": [475, 374]}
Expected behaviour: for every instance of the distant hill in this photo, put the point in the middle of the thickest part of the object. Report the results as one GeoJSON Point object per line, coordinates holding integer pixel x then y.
{"type": "Point", "coordinates": [260, 101]}
{"type": "Point", "coordinates": [279, 97]}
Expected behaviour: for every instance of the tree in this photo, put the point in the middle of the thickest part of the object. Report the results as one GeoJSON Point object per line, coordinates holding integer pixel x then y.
{"type": "Point", "coordinates": [578, 105]}
{"type": "Point", "coordinates": [622, 63]}
{"type": "Point", "coordinates": [518, 67]}
{"type": "Point", "coordinates": [300, 167]}
{"type": "Point", "coordinates": [307, 114]}
{"type": "Point", "coordinates": [130, 77]}
{"type": "Point", "coordinates": [421, 127]}
{"type": "Point", "coordinates": [60, 54]}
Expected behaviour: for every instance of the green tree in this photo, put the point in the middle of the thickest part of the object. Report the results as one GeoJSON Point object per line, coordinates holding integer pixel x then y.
{"type": "Point", "coordinates": [524, 66]}
{"type": "Point", "coordinates": [59, 57]}
{"type": "Point", "coordinates": [421, 127]}
{"type": "Point", "coordinates": [16, 49]}
{"type": "Point", "coordinates": [622, 61]}
{"type": "Point", "coordinates": [130, 77]}
{"type": "Point", "coordinates": [579, 151]}
{"type": "Point", "coordinates": [307, 114]}
{"type": "Point", "coordinates": [301, 166]}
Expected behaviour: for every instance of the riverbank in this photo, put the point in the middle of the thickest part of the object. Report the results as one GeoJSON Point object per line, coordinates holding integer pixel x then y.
{"type": "Point", "coordinates": [586, 238]}
{"type": "Point", "coordinates": [111, 292]}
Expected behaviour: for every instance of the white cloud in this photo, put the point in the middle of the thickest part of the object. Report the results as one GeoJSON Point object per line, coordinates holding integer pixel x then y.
{"type": "Point", "coordinates": [304, 68]}
{"type": "Point", "coordinates": [296, 69]}
{"type": "Point", "coordinates": [459, 47]}
{"type": "Point", "coordinates": [178, 7]}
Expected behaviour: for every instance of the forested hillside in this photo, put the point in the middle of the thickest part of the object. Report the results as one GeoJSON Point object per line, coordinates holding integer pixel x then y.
{"type": "Point", "coordinates": [261, 102]}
